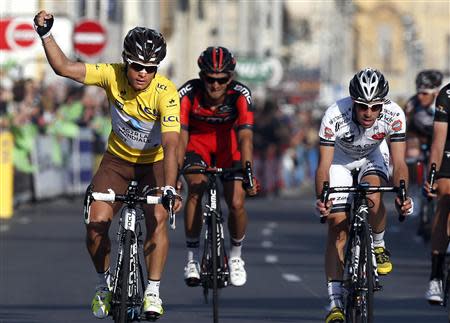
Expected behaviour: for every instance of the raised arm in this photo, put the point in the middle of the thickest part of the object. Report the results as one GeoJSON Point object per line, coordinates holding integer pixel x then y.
{"type": "Point", "coordinates": [59, 62]}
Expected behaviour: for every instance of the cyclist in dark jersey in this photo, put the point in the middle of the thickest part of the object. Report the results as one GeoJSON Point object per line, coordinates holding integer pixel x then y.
{"type": "Point", "coordinates": [440, 154]}
{"type": "Point", "coordinates": [419, 111]}
{"type": "Point", "coordinates": [216, 123]}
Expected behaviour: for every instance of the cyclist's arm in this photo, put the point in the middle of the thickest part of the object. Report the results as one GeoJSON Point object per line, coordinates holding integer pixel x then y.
{"type": "Point", "coordinates": [245, 137]}
{"type": "Point", "coordinates": [437, 147]}
{"type": "Point", "coordinates": [400, 169]}
{"type": "Point", "coordinates": [326, 154]}
{"type": "Point", "coordinates": [170, 141]}
{"type": "Point", "coordinates": [184, 137]}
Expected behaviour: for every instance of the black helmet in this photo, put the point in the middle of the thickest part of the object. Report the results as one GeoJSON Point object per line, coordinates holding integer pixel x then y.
{"type": "Point", "coordinates": [368, 85]}
{"type": "Point", "coordinates": [216, 60]}
{"type": "Point", "coordinates": [428, 79]}
{"type": "Point", "coordinates": [144, 45]}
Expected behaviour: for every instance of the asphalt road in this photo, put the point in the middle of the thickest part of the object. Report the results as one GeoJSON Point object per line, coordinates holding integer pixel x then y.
{"type": "Point", "coordinates": [46, 274]}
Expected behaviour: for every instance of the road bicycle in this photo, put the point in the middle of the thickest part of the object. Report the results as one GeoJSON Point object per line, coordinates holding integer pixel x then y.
{"type": "Point", "coordinates": [360, 267]}
{"type": "Point", "coordinates": [214, 271]}
{"type": "Point", "coordinates": [128, 281]}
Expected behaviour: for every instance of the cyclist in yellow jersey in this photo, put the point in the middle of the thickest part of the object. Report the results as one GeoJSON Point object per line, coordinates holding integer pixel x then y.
{"type": "Point", "coordinates": [142, 145]}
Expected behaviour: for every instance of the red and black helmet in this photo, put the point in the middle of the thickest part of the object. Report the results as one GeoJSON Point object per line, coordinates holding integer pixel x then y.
{"type": "Point", "coordinates": [216, 60]}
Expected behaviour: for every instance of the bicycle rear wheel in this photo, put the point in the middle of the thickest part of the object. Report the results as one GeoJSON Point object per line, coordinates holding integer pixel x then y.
{"type": "Point", "coordinates": [121, 294]}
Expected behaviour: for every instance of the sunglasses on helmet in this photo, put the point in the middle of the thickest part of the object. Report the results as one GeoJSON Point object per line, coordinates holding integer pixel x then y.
{"type": "Point", "coordinates": [374, 107]}
{"type": "Point", "coordinates": [220, 80]}
{"type": "Point", "coordinates": [139, 67]}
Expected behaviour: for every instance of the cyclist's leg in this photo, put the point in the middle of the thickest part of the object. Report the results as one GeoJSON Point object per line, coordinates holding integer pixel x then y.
{"type": "Point", "coordinates": [193, 217]}
{"type": "Point", "coordinates": [439, 242]}
{"type": "Point", "coordinates": [111, 174]}
{"type": "Point", "coordinates": [338, 224]}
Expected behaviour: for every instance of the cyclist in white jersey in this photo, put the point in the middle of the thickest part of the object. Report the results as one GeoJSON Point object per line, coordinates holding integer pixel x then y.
{"type": "Point", "coordinates": [353, 135]}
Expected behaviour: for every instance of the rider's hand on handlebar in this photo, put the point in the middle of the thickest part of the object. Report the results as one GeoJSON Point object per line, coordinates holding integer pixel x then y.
{"type": "Point", "coordinates": [430, 191]}
{"type": "Point", "coordinates": [407, 208]}
{"type": "Point", "coordinates": [322, 209]}
{"type": "Point", "coordinates": [252, 191]}
{"type": "Point", "coordinates": [43, 22]}
{"type": "Point", "coordinates": [169, 197]}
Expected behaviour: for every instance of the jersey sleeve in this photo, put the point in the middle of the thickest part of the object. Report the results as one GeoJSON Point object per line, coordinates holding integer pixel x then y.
{"type": "Point", "coordinates": [185, 104]}
{"type": "Point", "coordinates": [169, 109]}
{"type": "Point", "coordinates": [443, 105]}
{"type": "Point", "coordinates": [397, 127]}
{"type": "Point", "coordinates": [245, 118]}
{"type": "Point", "coordinates": [98, 74]}
{"type": "Point", "coordinates": [327, 135]}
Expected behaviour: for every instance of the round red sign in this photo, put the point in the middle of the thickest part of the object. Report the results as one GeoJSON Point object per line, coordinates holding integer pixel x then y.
{"type": "Point", "coordinates": [89, 38]}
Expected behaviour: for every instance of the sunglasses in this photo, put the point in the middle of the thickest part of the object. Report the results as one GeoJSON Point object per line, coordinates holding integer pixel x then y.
{"type": "Point", "coordinates": [425, 93]}
{"type": "Point", "coordinates": [220, 80]}
{"type": "Point", "coordinates": [138, 67]}
{"type": "Point", "coordinates": [373, 107]}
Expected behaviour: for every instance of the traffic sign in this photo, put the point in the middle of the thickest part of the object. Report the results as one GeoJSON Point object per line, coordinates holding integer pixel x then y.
{"type": "Point", "coordinates": [89, 38]}
{"type": "Point", "coordinates": [17, 34]}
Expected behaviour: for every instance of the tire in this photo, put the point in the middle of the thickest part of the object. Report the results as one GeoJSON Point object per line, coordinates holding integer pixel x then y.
{"type": "Point", "coordinates": [121, 295]}
{"type": "Point", "coordinates": [364, 308]}
{"type": "Point", "coordinates": [214, 246]}
{"type": "Point", "coordinates": [350, 311]}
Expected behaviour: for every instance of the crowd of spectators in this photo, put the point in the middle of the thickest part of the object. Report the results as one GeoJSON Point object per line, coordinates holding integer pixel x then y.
{"type": "Point", "coordinates": [285, 137]}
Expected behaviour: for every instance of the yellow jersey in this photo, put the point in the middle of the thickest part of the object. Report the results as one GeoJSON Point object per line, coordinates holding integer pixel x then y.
{"type": "Point", "coordinates": [138, 117]}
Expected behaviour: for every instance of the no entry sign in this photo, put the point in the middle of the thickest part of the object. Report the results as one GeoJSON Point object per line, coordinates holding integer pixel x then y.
{"type": "Point", "coordinates": [89, 38]}
{"type": "Point", "coordinates": [17, 34]}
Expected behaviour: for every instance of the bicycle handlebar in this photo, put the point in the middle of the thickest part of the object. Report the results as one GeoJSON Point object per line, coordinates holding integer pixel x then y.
{"type": "Point", "coordinates": [132, 198]}
{"type": "Point", "coordinates": [363, 188]}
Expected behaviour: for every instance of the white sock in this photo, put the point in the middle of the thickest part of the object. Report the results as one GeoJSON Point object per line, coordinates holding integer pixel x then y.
{"type": "Point", "coordinates": [335, 293]}
{"type": "Point", "coordinates": [236, 247]}
{"type": "Point", "coordinates": [378, 239]}
{"type": "Point", "coordinates": [153, 287]}
{"type": "Point", "coordinates": [193, 247]}
{"type": "Point", "coordinates": [104, 279]}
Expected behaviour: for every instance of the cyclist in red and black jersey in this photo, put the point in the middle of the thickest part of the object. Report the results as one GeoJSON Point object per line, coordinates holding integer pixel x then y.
{"type": "Point", "coordinates": [216, 123]}
{"type": "Point", "coordinates": [440, 154]}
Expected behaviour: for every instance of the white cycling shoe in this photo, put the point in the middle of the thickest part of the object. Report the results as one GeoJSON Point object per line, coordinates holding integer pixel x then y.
{"type": "Point", "coordinates": [238, 275]}
{"type": "Point", "coordinates": [435, 292]}
{"type": "Point", "coordinates": [192, 273]}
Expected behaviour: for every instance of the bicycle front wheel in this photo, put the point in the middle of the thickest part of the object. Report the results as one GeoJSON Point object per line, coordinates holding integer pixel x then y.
{"type": "Point", "coordinates": [121, 294]}
{"type": "Point", "coordinates": [366, 278]}
{"type": "Point", "coordinates": [214, 246]}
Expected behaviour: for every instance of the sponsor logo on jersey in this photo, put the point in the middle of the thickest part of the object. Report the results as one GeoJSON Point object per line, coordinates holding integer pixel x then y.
{"type": "Point", "coordinates": [246, 92]}
{"type": "Point", "coordinates": [397, 125]}
{"type": "Point", "coordinates": [172, 103]}
{"type": "Point", "coordinates": [224, 109]}
{"type": "Point", "coordinates": [147, 111]}
{"type": "Point", "coordinates": [184, 90]}
{"type": "Point", "coordinates": [170, 121]}
{"type": "Point", "coordinates": [328, 133]}
{"type": "Point", "coordinates": [379, 136]}
{"type": "Point", "coordinates": [348, 137]}
{"type": "Point", "coordinates": [162, 87]}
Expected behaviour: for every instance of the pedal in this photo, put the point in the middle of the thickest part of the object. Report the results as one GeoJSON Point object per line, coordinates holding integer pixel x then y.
{"type": "Point", "coordinates": [192, 282]}
{"type": "Point", "coordinates": [151, 316]}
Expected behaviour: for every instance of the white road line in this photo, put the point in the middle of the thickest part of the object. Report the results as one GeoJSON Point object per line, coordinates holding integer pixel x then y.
{"type": "Point", "coordinates": [267, 244]}
{"type": "Point", "coordinates": [272, 225]}
{"type": "Point", "coordinates": [266, 232]}
{"type": "Point", "coordinates": [271, 259]}
{"type": "Point", "coordinates": [291, 278]}
{"type": "Point", "coordinates": [4, 227]}
{"type": "Point", "coordinates": [24, 220]}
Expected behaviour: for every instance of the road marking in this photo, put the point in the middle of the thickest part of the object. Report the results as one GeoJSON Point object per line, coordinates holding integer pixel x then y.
{"type": "Point", "coordinates": [24, 220]}
{"type": "Point", "coordinates": [272, 225]}
{"type": "Point", "coordinates": [266, 232]}
{"type": "Point", "coordinates": [267, 244]}
{"type": "Point", "coordinates": [271, 259]}
{"type": "Point", "coordinates": [291, 278]}
{"type": "Point", "coordinates": [4, 227]}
